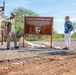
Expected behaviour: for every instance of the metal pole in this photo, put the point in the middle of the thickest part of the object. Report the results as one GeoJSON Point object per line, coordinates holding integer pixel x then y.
{"type": "Point", "coordinates": [4, 3]}
{"type": "Point", "coordinates": [4, 6]}
{"type": "Point", "coordinates": [3, 17]}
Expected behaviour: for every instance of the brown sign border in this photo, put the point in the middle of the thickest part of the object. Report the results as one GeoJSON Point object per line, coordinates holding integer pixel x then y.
{"type": "Point", "coordinates": [39, 34]}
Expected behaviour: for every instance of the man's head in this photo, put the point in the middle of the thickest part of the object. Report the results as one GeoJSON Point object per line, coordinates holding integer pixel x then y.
{"type": "Point", "coordinates": [13, 15]}
{"type": "Point", "coordinates": [67, 18]}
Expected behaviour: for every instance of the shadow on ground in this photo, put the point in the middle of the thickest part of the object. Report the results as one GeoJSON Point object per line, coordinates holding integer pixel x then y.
{"type": "Point", "coordinates": [49, 52]}
{"type": "Point", "coordinates": [63, 53]}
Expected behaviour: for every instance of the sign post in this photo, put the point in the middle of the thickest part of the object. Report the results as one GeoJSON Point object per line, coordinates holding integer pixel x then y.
{"type": "Point", "coordinates": [38, 25]}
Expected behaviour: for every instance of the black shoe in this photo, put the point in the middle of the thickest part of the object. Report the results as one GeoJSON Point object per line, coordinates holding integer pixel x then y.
{"type": "Point", "coordinates": [66, 48]}
{"type": "Point", "coordinates": [16, 47]}
{"type": "Point", "coordinates": [8, 48]}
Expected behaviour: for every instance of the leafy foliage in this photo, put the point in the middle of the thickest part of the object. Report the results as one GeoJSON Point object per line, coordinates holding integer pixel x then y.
{"type": "Point", "coordinates": [19, 22]}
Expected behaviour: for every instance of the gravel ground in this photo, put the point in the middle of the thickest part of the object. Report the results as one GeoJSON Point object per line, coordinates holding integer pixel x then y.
{"type": "Point", "coordinates": [31, 52]}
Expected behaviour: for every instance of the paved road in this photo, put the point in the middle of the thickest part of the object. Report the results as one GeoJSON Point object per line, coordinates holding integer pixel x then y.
{"type": "Point", "coordinates": [30, 52]}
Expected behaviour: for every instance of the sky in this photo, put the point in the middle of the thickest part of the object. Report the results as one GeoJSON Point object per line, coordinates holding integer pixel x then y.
{"type": "Point", "coordinates": [48, 8]}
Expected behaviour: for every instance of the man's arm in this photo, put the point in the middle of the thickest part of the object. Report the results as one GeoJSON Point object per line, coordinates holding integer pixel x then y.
{"type": "Point", "coordinates": [7, 21]}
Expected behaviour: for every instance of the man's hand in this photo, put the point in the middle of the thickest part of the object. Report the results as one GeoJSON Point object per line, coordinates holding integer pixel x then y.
{"type": "Point", "coordinates": [3, 20]}
{"type": "Point", "coordinates": [7, 21]}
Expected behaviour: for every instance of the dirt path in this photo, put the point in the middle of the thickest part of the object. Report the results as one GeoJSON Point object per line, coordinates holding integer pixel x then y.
{"type": "Point", "coordinates": [56, 65]}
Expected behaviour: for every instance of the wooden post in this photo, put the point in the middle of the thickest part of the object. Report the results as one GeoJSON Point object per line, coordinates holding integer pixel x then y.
{"type": "Point", "coordinates": [2, 37]}
{"type": "Point", "coordinates": [51, 42]}
{"type": "Point", "coordinates": [24, 33]}
{"type": "Point", "coordinates": [23, 40]}
{"type": "Point", "coordinates": [51, 33]}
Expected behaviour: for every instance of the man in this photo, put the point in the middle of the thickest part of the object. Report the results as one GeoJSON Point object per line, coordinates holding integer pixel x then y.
{"type": "Point", "coordinates": [11, 31]}
{"type": "Point", "coordinates": [1, 19]}
{"type": "Point", "coordinates": [67, 32]}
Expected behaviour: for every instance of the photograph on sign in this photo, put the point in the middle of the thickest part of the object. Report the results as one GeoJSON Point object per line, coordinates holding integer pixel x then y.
{"type": "Point", "coordinates": [37, 29]}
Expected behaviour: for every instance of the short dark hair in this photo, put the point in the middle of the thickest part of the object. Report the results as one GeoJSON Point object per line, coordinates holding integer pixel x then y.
{"type": "Point", "coordinates": [13, 14]}
{"type": "Point", "coordinates": [67, 17]}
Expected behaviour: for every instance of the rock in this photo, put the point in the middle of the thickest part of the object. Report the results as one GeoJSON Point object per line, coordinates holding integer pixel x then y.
{"type": "Point", "coordinates": [26, 43]}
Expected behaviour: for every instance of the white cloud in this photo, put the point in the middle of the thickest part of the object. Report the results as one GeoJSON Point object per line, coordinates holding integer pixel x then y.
{"type": "Point", "coordinates": [60, 20]}
{"type": "Point", "coordinates": [6, 4]}
{"type": "Point", "coordinates": [58, 7]}
{"type": "Point", "coordinates": [27, 2]}
{"type": "Point", "coordinates": [73, 19]}
{"type": "Point", "coordinates": [44, 10]}
{"type": "Point", "coordinates": [71, 11]}
{"type": "Point", "coordinates": [50, 0]}
{"type": "Point", "coordinates": [74, 4]}
{"type": "Point", "coordinates": [20, 3]}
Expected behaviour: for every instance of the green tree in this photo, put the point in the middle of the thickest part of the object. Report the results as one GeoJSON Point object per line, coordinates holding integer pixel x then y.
{"type": "Point", "coordinates": [19, 24]}
{"type": "Point", "coordinates": [74, 25]}
{"type": "Point", "coordinates": [19, 21]}
{"type": "Point", "coordinates": [74, 35]}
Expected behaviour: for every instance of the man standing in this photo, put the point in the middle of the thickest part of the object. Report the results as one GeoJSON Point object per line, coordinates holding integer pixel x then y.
{"type": "Point", "coordinates": [67, 32]}
{"type": "Point", "coordinates": [11, 31]}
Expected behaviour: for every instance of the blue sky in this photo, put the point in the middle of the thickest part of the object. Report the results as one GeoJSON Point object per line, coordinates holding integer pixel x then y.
{"type": "Point", "coordinates": [55, 8]}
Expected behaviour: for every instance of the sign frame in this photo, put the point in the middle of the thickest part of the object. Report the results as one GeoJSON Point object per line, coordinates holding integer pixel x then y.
{"type": "Point", "coordinates": [44, 19]}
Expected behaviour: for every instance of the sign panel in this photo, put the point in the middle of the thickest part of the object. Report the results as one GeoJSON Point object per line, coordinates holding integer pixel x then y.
{"type": "Point", "coordinates": [38, 25]}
